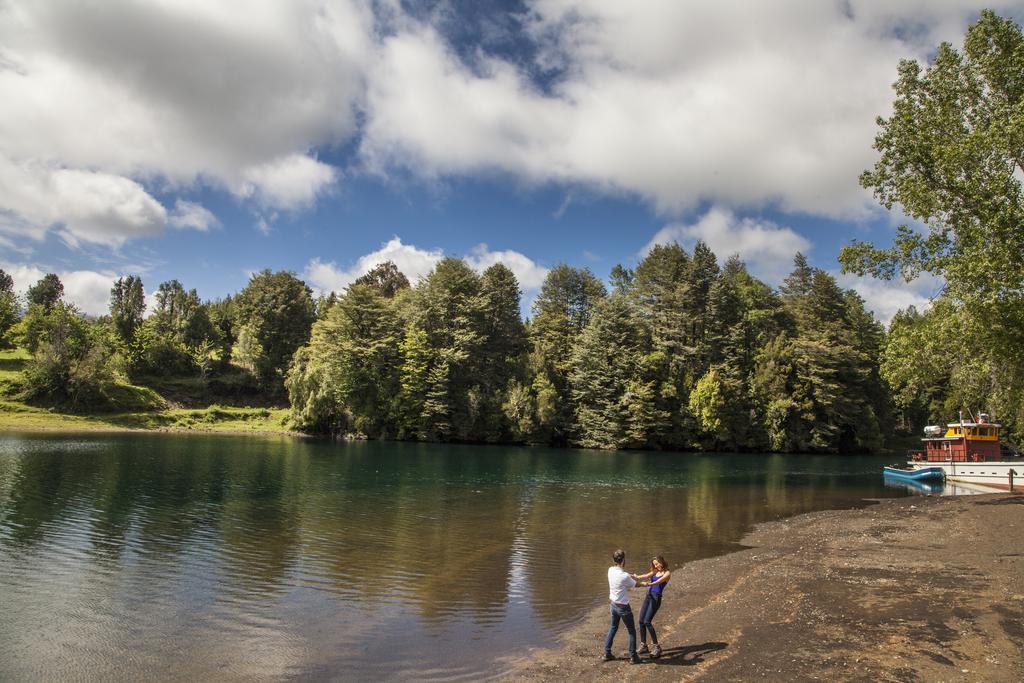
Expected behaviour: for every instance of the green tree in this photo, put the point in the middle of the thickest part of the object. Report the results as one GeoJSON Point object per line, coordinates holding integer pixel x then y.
{"type": "Point", "coordinates": [275, 312]}
{"type": "Point", "coordinates": [819, 389]}
{"type": "Point", "coordinates": [127, 305]}
{"type": "Point", "coordinates": [46, 293]}
{"type": "Point", "coordinates": [385, 278]}
{"type": "Point", "coordinates": [665, 291]}
{"type": "Point", "coordinates": [346, 378]}
{"type": "Point", "coordinates": [950, 155]}
{"type": "Point", "coordinates": [69, 364]}
{"type": "Point", "coordinates": [502, 356]}
{"type": "Point", "coordinates": [561, 311]}
{"type": "Point", "coordinates": [613, 394]}
{"type": "Point", "coordinates": [716, 403]}
{"type": "Point", "coordinates": [8, 309]}
{"type": "Point", "coordinates": [919, 359]}
{"type": "Point", "coordinates": [414, 372]}
{"type": "Point", "coordinates": [169, 313]}
{"type": "Point", "coordinates": [222, 315]}
{"type": "Point", "coordinates": [951, 158]}
{"type": "Point", "coordinates": [701, 277]}
{"type": "Point", "coordinates": [448, 307]}
{"type": "Point", "coordinates": [621, 279]}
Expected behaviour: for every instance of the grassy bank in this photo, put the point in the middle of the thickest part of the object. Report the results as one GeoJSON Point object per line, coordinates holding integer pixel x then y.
{"type": "Point", "coordinates": [177, 404]}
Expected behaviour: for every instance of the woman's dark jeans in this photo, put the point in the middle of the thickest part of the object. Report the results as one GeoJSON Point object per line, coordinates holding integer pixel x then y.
{"type": "Point", "coordinates": [647, 612]}
{"type": "Point", "coordinates": [625, 613]}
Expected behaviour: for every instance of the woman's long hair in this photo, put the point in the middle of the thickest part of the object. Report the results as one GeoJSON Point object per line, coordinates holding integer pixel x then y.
{"type": "Point", "coordinates": [660, 560]}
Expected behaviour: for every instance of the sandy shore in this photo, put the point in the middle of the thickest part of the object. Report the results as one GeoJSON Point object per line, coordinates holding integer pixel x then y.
{"type": "Point", "coordinates": [913, 589]}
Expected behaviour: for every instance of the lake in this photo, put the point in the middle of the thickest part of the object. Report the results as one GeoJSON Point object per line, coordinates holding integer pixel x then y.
{"type": "Point", "coordinates": [198, 557]}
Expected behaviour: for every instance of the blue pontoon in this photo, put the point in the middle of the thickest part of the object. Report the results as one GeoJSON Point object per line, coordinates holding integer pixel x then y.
{"type": "Point", "coordinates": [920, 474]}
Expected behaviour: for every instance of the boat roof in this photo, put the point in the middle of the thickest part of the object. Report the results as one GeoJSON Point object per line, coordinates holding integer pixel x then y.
{"type": "Point", "coordinates": [965, 423]}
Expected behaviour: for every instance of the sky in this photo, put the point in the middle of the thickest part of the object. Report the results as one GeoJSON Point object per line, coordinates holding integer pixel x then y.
{"type": "Point", "coordinates": [205, 140]}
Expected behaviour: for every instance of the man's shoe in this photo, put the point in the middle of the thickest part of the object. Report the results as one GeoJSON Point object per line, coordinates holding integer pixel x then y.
{"type": "Point", "coordinates": [635, 659]}
{"type": "Point", "coordinates": [642, 650]}
{"type": "Point", "coordinates": [607, 657]}
{"type": "Point", "coordinates": [656, 650]}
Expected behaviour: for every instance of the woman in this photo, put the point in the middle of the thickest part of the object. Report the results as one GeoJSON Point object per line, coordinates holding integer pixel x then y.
{"type": "Point", "coordinates": [658, 577]}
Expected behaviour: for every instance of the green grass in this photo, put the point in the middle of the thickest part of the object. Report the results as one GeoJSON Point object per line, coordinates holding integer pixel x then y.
{"type": "Point", "coordinates": [16, 416]}
{"type": "Point", "coordinates": [179, 404]}
{"type": "Point", "coordinates": [13, 362]}
{"type": "Point", "coordinates": [12, 366]}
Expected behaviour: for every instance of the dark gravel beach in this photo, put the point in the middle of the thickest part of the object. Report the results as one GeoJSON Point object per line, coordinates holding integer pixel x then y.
{"type": "Point", "coordinates": [911, 589]}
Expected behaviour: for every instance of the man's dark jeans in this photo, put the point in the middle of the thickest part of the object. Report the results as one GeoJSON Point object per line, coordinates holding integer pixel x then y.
{"type": "Point", "coordinates": [625, 613]}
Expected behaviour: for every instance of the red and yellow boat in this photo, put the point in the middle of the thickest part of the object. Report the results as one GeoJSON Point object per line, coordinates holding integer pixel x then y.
{"type": "Point", "coordinates": [970, 451]}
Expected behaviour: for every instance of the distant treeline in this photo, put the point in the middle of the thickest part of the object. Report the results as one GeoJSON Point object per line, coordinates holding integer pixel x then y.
{"type": "Point", "coordinates": [680, 354]}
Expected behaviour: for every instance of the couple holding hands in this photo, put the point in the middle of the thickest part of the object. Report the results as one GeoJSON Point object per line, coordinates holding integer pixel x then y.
{"type": "Point", "coordinates": [619, 584]}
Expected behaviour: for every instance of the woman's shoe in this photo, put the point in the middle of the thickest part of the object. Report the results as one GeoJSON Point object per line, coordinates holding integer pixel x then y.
{"type": "Point", "coordinates": [642, 650]}
{"type": "Point", "coordinates": [656, 650]}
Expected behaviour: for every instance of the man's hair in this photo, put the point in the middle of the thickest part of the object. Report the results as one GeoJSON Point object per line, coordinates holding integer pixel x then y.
{"type": "Point", "coordinates": [619, 556]}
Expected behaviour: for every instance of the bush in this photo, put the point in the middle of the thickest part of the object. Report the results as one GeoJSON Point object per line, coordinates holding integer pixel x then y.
{"type": "Point", "coordinates": [163, 358]}
{"type": "Point", "coordinates": [78, 383]}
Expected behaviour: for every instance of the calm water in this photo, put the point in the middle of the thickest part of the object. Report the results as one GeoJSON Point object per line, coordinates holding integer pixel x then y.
{"type": "Point", "coordinates": [191, 557]}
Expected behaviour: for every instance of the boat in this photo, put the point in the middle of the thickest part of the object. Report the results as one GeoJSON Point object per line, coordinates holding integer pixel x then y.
{"type": "Point", "coordinates": [970, 451]}
{"type": "Point", "coordinates": [907, 473]}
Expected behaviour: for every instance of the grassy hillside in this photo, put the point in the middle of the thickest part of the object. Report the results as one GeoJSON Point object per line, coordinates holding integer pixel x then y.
{"type": "Point", "coordinates": [229, 402]}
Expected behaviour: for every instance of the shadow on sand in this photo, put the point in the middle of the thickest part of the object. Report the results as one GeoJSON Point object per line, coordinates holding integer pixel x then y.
{"type": "Point", "coordinates": [687, 655]}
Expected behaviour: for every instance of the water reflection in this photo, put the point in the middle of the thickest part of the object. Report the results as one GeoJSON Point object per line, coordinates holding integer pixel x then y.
{"type": "Point", "coordinates": [274, 557]}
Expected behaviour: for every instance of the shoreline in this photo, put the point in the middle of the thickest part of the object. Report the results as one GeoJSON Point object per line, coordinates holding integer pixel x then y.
{"type": "Point", "coordinates": [42, 421]}
{"type": "Point", "coordinates": [905, 589]}
{"type": "Point", "coordinates": [113, 429]}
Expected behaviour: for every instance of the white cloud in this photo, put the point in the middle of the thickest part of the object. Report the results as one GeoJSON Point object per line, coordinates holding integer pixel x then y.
{"type": "Point", "coordinates": [84, 206]}
{"type": "Point", "coordinates": [103, 208]}
{"type": "Point", "coordinates": [417, 263]}
{"type": "Point", "coordinates": [529, 274]}
{"type": "Point", "coordinates": [87, 289]}
{"type": "Point", "coordinates": [733, 102]}
{"type": "Point", "coordinates": [886, 298]}
{"type": "Point", "coordinates": [191, 215]}
{"type": "Point", "coordinates": [414, 262]}
{"type": "Point", "coordinates": [176, 93]}
{"type": "Point", "coordinates": [767, 248]}
{"type": "Point", "coordinates": [290, 182]}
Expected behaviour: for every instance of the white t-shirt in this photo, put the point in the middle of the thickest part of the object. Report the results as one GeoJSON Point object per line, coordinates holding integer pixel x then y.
{"type": "Point", "coordinates": [619, 583]}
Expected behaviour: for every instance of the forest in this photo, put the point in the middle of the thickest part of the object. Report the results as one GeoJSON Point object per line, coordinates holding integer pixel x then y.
{"type": "Point", "coordinates": [687, 350]}
{"type": "Point", "coordinates": [679, 354]}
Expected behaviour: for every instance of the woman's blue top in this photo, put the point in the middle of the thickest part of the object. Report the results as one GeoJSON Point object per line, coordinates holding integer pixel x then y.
{"type": "Point", "coordinates": [656, 590]}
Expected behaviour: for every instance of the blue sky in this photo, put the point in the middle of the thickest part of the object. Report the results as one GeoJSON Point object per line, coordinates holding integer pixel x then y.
{"type": "Point", "coordinates": [188, 140]}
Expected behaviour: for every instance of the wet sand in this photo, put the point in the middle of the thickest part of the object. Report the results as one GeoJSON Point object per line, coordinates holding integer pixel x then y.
{"type": "Point", "coordinates": [911, 589]}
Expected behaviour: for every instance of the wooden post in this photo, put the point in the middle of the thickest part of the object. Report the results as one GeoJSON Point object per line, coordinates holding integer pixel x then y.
{"type": "Point", "coordinates": [1012, 472]}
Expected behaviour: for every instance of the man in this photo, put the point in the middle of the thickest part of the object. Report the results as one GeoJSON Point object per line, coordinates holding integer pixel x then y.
{"type": "Point", "coordinates": [619, 583]}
